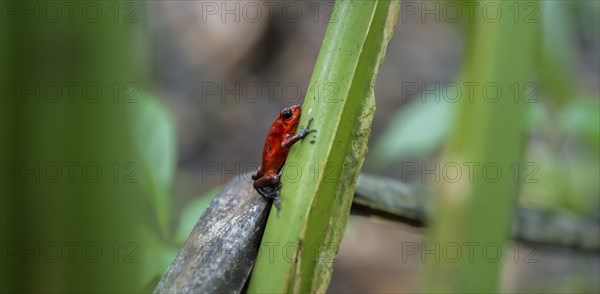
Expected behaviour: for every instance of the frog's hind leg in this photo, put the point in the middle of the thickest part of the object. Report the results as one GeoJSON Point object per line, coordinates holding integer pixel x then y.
{"type": "Point", "coordinates": [267, 192]}
{"type": "Point", "coordinates": [268, 187]}
{"type": "Point", "coordinates": [271, 193]}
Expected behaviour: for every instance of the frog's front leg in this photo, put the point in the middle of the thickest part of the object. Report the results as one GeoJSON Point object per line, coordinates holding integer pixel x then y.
{"type": "Point", "coordinates": [290, 140]}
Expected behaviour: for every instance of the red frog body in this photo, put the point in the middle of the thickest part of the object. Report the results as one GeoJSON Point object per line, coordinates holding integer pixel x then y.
{"type": "Point", "coordinates": [275, 151]}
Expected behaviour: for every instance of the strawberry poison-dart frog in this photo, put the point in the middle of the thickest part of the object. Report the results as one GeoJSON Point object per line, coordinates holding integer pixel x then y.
{"type": "Point", "coordinates": [277, 145]}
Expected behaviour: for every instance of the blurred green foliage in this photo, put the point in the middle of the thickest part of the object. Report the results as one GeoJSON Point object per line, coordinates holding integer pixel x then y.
{"type": "Point", "coordinates": [560, 164]}
{"type": "Point", "coordinates": [564, 121]}
{"type": "Point", "coordinates": [416, 130]}
{"type": "Point", "coordinates": [153, 139]}
{"type": "Point", "coordinates": [74, 227]}
{"type": "Point", "coordinates": [86, 183]}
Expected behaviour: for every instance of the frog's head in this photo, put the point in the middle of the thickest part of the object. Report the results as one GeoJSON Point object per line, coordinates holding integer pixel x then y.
{"type": "Point", "coordinates": [290, 116]}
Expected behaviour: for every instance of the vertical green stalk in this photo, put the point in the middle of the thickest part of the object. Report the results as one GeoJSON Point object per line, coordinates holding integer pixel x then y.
{"type": "Point", "coordinates": [475, 213]}
{"type": "Point", "coordinates": [299, 246]}
{"type": "Point", "coordinates": [66, 211]}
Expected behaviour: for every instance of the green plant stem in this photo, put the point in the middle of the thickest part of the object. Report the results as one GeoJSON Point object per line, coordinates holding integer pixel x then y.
{"type": "Point", "coordinates": [478, 211]}
{"type": "Point", "coordinates": [298, 248]}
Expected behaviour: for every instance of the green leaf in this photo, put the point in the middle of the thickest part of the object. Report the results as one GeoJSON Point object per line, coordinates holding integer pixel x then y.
{"type": "Point", "coordinates": [416, 130]}
{"type": "Point", "coordinates": [154, 141]}
{"type": "Point", "coordinates": [298, 247]}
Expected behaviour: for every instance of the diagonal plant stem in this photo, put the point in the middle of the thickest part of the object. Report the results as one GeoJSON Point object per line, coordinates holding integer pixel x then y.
{"type": "Point", "coordinates": [298, 247]}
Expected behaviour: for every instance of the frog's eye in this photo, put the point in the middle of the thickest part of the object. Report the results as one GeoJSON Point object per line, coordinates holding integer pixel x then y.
{"type": "Point", "coordinates": [286, 113]}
